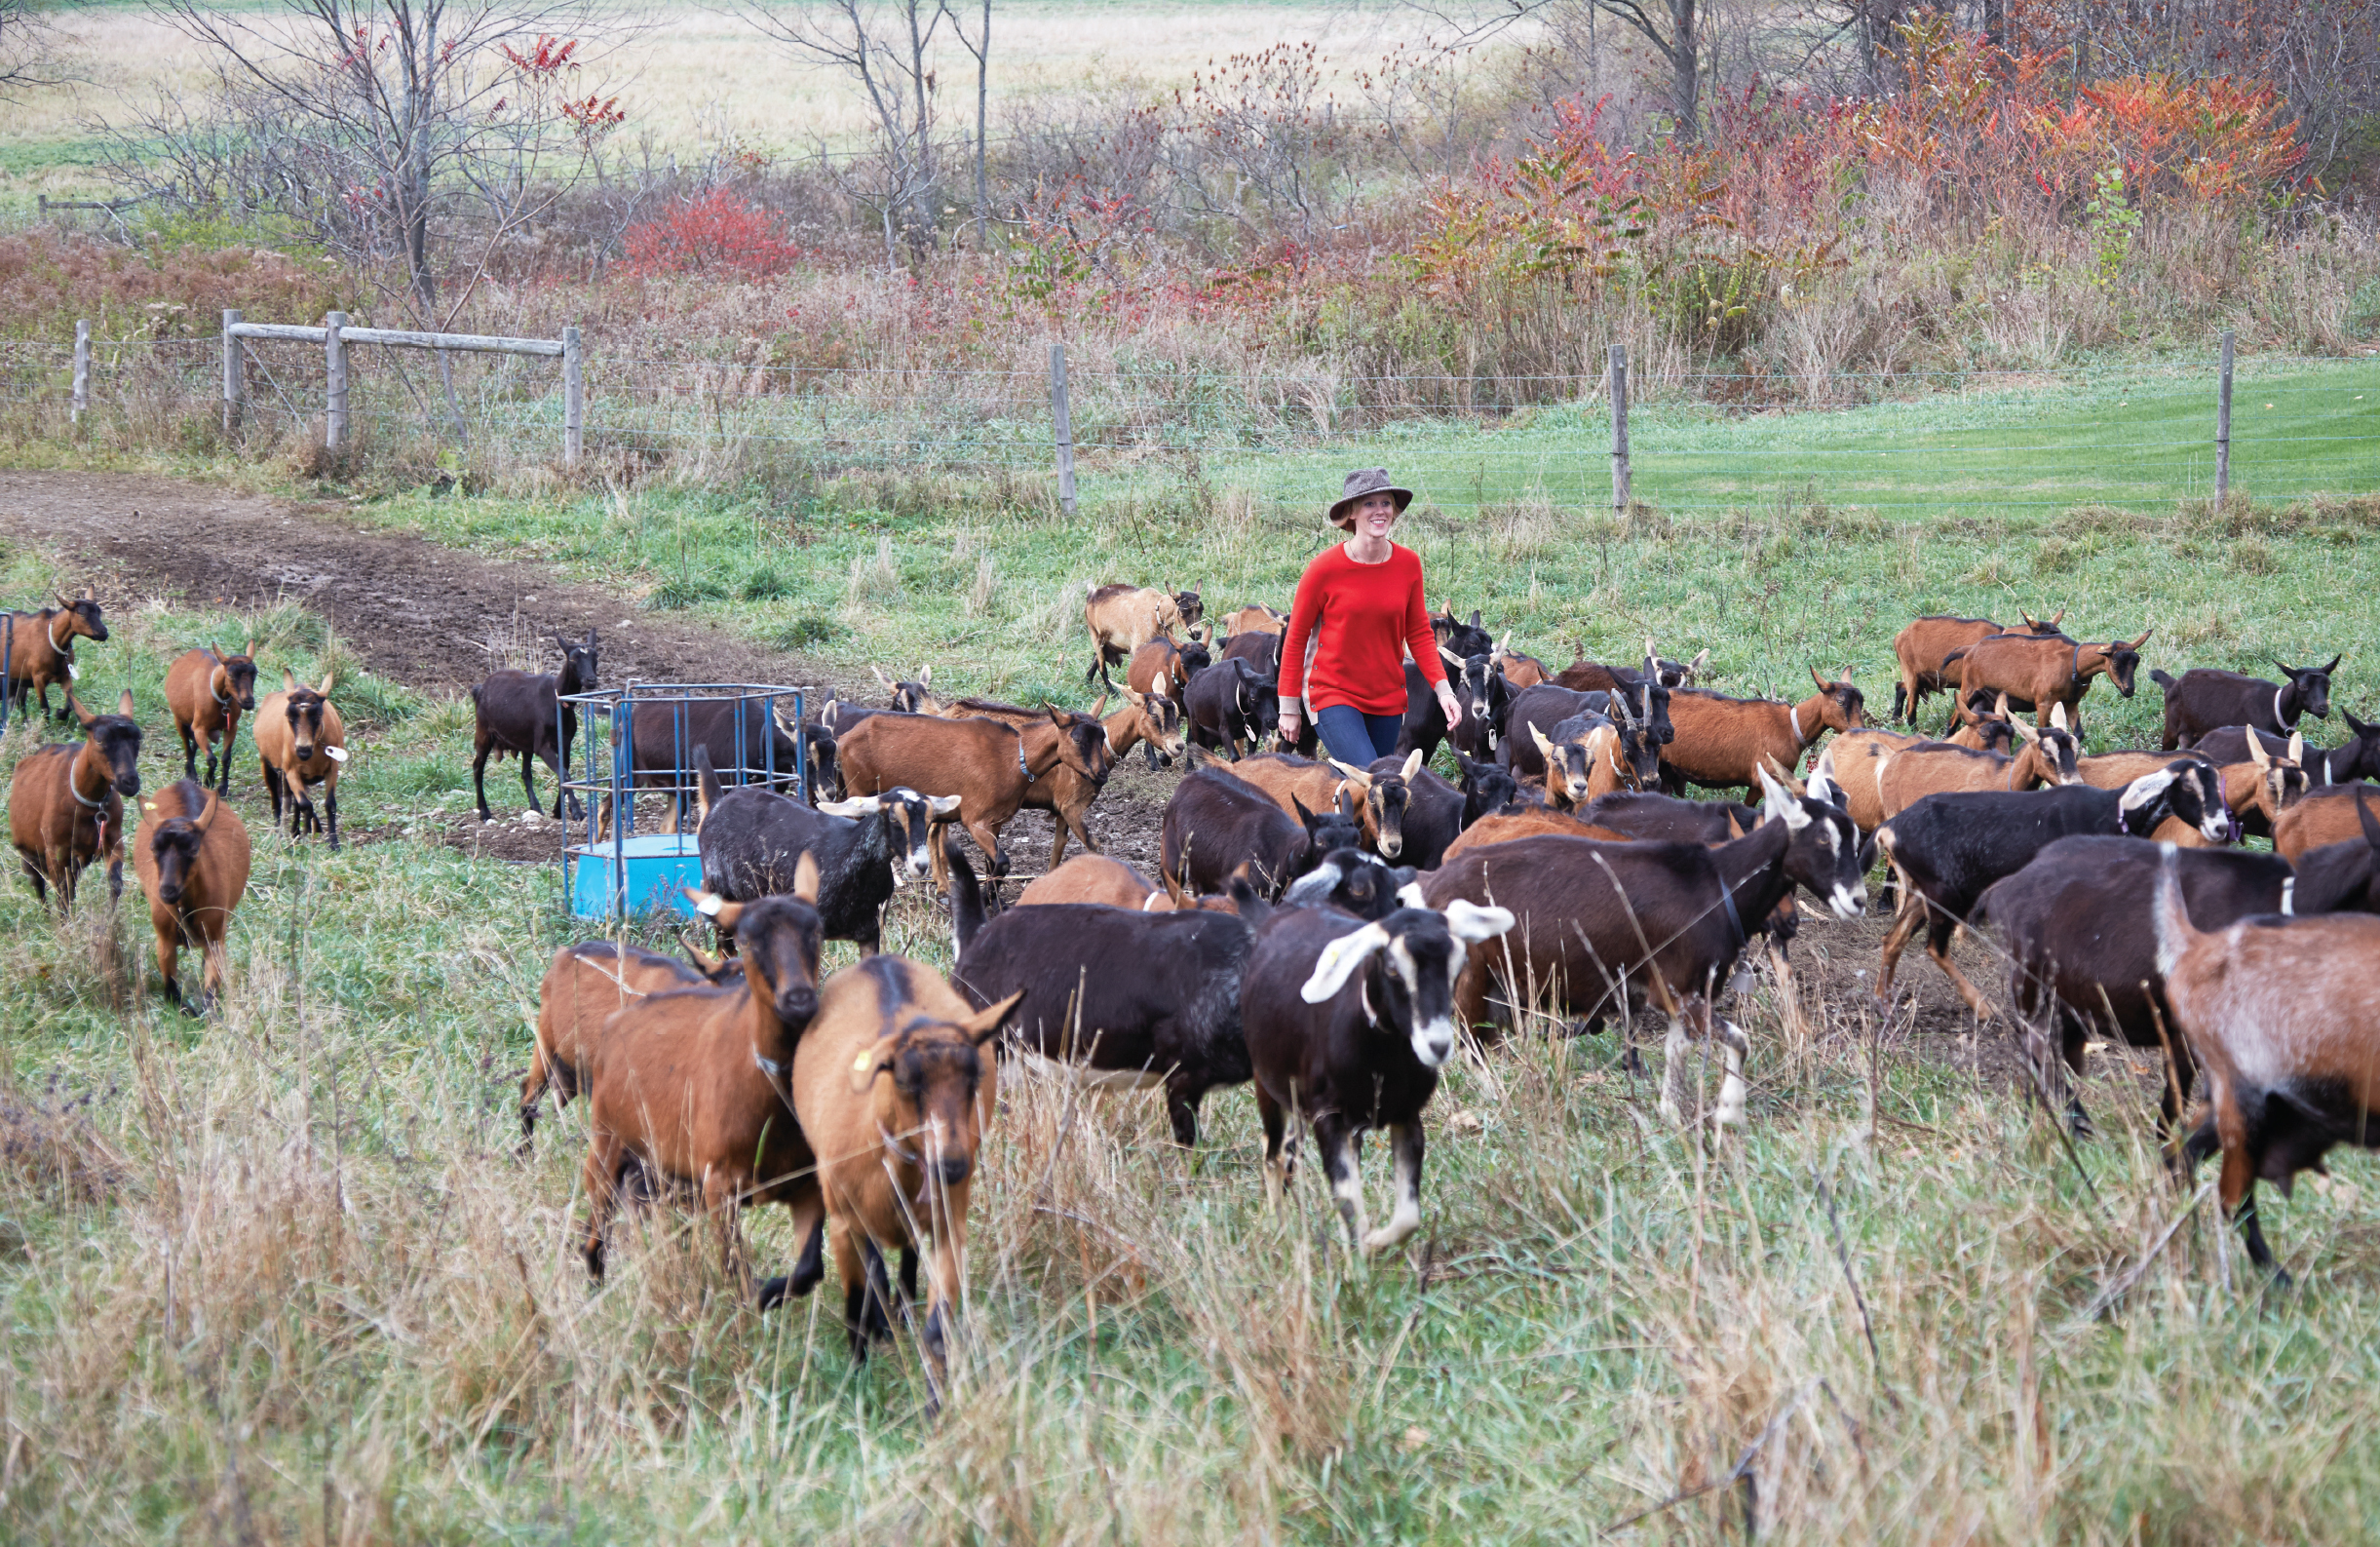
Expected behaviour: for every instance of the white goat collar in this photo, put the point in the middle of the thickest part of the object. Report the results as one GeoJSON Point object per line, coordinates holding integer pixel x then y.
{"type": "Point", "coordinates": [1793, 718]}
{"type": "Point", "coordinates": [768, 1066]}
{"type": "Point", "coordinates": [2277, 719]}
{"type": "Point", "coordinates": [51, 632]}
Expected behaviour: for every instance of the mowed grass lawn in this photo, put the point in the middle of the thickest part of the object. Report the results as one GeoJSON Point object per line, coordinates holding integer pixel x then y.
{"type": "Point", "coordinates": [280, 1275]}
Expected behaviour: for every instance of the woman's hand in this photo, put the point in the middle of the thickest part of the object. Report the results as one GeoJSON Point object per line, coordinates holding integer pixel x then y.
{"type": "Point", "coordinates": [1289, 724]}
{"type": "Point", "coordinates": [1450, 704]}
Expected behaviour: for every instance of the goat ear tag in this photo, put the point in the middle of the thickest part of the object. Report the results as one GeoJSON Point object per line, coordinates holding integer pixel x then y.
{"type": "Point", "coordinates": [74, 672]}
{"type": "Point", "coordinates": [336, 754]}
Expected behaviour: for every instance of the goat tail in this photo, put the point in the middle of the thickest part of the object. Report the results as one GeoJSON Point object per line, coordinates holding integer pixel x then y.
{"type": "Point", "coordinates": [1954, 657]}
{"type": "Point", "coordinates": [965, 896]}
{"type": "Point", "coordinates": [2174, 932]}
{"type": "Point", "coordinates": [2158, 675]}
{"type": "Point", "coordinates": [706, 785]}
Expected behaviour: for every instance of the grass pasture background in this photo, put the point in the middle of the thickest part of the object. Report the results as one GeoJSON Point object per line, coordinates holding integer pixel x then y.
{"type": "Point", "coordinates": [280, 1275]}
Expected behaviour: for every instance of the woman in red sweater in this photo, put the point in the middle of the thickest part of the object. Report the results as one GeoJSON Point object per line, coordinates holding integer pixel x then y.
{"type": "Point", "coordinates": [1361, 603]}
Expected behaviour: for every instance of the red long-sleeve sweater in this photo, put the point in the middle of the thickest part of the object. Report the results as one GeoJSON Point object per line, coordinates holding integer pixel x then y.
{"type": "Point", "coordinates": [1367, 616]}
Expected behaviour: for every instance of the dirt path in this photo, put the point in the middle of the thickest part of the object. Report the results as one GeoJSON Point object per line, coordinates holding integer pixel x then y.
{"type": "Point", "coordinates": [417, 612]}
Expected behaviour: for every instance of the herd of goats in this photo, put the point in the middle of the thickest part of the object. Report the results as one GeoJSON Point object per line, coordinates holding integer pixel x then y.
{"type": "Point", "coordinates": [1327, 932]}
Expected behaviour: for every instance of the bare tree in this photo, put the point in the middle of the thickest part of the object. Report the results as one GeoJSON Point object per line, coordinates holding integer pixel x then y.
{"type": "Point", "coordinates": [886, 47]}
{"type": "Point", "coordinates": [383, 128]}
{"type": "Point", "coordinates": [1674, 29]}
{"type": "Point", "coordinates": [31, 48]}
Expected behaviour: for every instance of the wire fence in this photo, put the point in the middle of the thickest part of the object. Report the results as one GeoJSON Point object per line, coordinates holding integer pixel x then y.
{"type": "Point", "coordinates": [2131, 435]}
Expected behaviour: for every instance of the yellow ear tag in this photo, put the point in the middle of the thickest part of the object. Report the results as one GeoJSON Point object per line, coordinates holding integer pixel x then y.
{"type": "Point", "coordinates": [858, 1065]}
{"type": "Point", "coordinates": [148, 805]}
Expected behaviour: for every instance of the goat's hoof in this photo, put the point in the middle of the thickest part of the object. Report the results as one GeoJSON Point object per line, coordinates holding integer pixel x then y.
{"type": "Point", "coordinates": [771, 1294]}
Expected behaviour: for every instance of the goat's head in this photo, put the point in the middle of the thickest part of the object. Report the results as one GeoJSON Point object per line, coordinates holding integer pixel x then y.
{"type": "Point", "coordinates": [1479, 687]}
{"type": "Point", "coordinates": [1842, 706]}
{"type": "Point", "coordinates": [1822, 846]}
{"type": "Point", "coordinates": [778, 941]}
{"type": "Point", "coordinates": [1464, 640]}
{"type": "Point", "coordinates": [2312, 684]}
{"type": "Point", "coordinates": [911, 697]}
{"type": "Point", "coordinates": [909, 819]}
{"type": "Point", "coordinates": [2054, 756]}
{"type": "Point", "coordinates": [2121, 661]}
{"type": "Point", "coordinates": [2042, 626]}
{"type": "Point", "coordinates": [1486, 786]}
{"type": "Point", "coordinates": [826, 766]}
{"type": "Point", "coordinates": [1194, 658]}
{"type": "Point", "coordinates": [81, 618]}
{"type": "Point", "coordinates": [305, 706]}
{"type": "Point", "coordinates": [1158, 717]}
{"type": "Point", "coordinates": [1409, 961]}
{"type": "Point", "coordinates": [174, 844]}
{"type": "Point", "coordinates": [921, 1083]}
{"type": "Point", "coordinates": [1674, 674]}
{"type": "Point", "coordinates": [2365, 764]}
{"type": "Point", "coordinates": [2280, 782]}
{"type": "Point", "coordinates": [2185, 788]}
{"type": "Point", "coordinates": [1335, 828]}
{"type": "Point", "coordinates": [1639, 761]}
{"type": "Point", "coordinates": [235, 675]}
{"type": "Point", "coordinates": [1353, 882]}
{"type": "Point", "coordinates": [1081, 742]}
{"type": "Point", "coordinates": [1188, 608]}
{"type": "Point", "coordinates": [579, 658]}
{"type": "Point", "coordinates": [114, 739]}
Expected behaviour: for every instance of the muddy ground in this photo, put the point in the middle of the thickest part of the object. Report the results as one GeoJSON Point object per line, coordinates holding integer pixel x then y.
{"type": "Point", "coordinates": [418, 613]}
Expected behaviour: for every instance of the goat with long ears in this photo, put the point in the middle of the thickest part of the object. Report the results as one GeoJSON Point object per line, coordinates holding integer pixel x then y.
{"type": "Point", "coordinates": [66, 802]}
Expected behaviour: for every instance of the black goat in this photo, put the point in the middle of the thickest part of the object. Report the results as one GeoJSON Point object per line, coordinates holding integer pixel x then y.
{"type": "Point", "coordinates": [1946, 849]}
{"type": "Point", "coordinates": [1462, 638]}
{"type": "Point", "coordinates": [1356, 883]}
{"type": "Point", "coordinates": [750, 839]}
{"type": "Point", "coordinates": [1215, 823]}
{"type": "Point", "coordinates": [1118, 999]}
{"type": "Point", "coordinates": [1486, 786]}
{"type": "Point", "coordinates": [2355, 759]}
{"type": "Point", "coordinates": [521, 713]}
{"type": "Point", "coordinates": [1229, 707]}
{"type": "Point", "coordinates": [2082, 943]}
{"type": "Point", "coordinates": [2203, 699]}
{"type": "Point", "coordinates": [1346, 1025]}
{"type": "Point", "coordinates": [664, 738]}
{"type": "Point", "coordinates": [1434, 814]}
{"type": "Point", "coordinates": [1480, 687]}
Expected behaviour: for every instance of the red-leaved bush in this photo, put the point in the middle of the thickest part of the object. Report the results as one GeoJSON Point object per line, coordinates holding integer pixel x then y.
{"type": "Point", "coordinates": [718, 234]}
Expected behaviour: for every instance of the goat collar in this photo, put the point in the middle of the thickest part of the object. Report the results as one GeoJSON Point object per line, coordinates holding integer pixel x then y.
{"type": "Point", "coordinates": [1735, 920]}
{"type": "Point", "coordinates": [223, 699]}
{"type": "Point", "coordinates": [1793, 718]}
{"type": "Point", "coordinates": [2278, 717]}
{"type": "Point", "coordinates": [769, 1066]}
{"type": "Point", "coordinates": [56, 619]}
{"type": "Point", "coordinates": [82, 799]}
{"type": "Point", "coordinates": [1022, 766]}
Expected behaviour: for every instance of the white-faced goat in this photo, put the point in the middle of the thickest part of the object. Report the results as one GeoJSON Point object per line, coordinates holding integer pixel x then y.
{"type": "Point", "coordinates": [1348, 1024]}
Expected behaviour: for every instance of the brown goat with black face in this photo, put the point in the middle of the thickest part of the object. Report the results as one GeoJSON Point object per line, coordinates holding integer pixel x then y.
{"type": "Point", "coordinates": [41, 648]}
{"type": "Point", "coordinates": [301, 741]}
{"type": "Point", "coordinates": [689, 1086]}
{"type": "Point", "coordinates": [207, 690]}
{"type": "Point", "coordinates": [895, 1092]}
{"type": "Point", "coordinates": [2046, 757]}
{"type": "Point", "coordinates": [1925, 646]}
{"type": "Point", "coordinates": [1721, 742]}
{"type": "Point", "coordinates": [1151, 722]}
{"type": "Point", "coordinates": [191, 852]}
{"type": "Point", "coordinates": [65, 804]}
{"type": "Point", "coordinates": [2045, 671]}
{"type": "Point", "coordinates": [987, 763]}
{"type": "Point", "coordinates": [522, 713]}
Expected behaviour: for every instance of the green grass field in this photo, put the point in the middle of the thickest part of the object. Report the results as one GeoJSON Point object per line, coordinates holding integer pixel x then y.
{"type": "Point", "coordinates": [279, 1275]}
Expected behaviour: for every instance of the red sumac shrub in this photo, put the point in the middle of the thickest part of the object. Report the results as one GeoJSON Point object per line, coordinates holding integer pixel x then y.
{"type": "Point", "coordinates": [718, 233]}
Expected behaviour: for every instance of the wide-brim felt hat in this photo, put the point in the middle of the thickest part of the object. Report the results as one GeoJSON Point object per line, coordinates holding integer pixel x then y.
{"type": "Point", "coordinates": [1361, 481]}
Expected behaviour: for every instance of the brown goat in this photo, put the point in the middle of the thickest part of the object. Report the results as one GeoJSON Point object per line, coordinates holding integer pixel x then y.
{"type": "Point", "coordinates": [1157, 668]}
{"type": "Point", "coordinates": [1091, 878]}
{"type": "Point", "coordinates": [1254, 618]}
{"type": "Point", "coordinates": [583, 987]}
{"type": "Point", "coordinates": [1519, 670]}
{"type": "Point", "coordinates": [1908, 776]}
{"type": "Point", "coordinates": [41, 648]}
{"type": "Point", "coordinates": [1579, 771]}
{"type": "Point", "coordinates": [1381, 794]}
{"type": "Point", "coordinates": [987, 763]}
{"type": "Point", "coordinates": [1854, 763]}
{"type": "Point", "coordinates": [1066, 794]}
{"type": "Point", "coordinates": [688, 1086]}
{"type": "Point", "coordinates": [2044, 669]}
{"type": "Point", "coordinates": [2256, 790]}
{"type": "Point", "coordinates": [2280, 1012]}
{"type": "Point", "coordinates": [2323, 816]}
{"type": "Point", "coordinates": [206, 690]}
{"type": "Point", "coordinates": [1503, 827]}
{"type": "Point", "coordinates": [1925, 647]}
{"type": "Point", "coordinates": [65, 804]}
{"type": "Point", "coordinates": [895, 1092]}
{"type": "Point", "coordinates": [301, 742]}
{"type": "Point", "coordinates": [1124, 618]}
{"type": "Point", "coordinates": [1721, 741]}
{"type": "Point", "coordinates": [191, 852]}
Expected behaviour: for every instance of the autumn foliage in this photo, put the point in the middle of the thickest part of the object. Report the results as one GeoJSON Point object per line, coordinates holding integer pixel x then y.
{"type": "Point", "coordinates": [718, 234]}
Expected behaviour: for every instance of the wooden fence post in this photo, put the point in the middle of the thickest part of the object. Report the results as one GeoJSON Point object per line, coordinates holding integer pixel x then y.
{"type": "Point", "coordinates": [1619, 430]}
{"type": "Point", "coordinates": [335, 362]}
{"type": "Point", "coordinates": [235, 380]}
{"type": "Point", "coordinates": [82, 368]}
{"type": "Point", "coordinates": [1064, 427]}
{"type": "Point", "coordinates": [2222, 427]}
{"type": "Point", "coordinates": [574, 400]}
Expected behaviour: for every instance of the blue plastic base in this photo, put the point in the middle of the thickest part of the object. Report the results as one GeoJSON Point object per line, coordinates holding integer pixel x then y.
{"type": "Point", "coordinates": [658, 865]}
